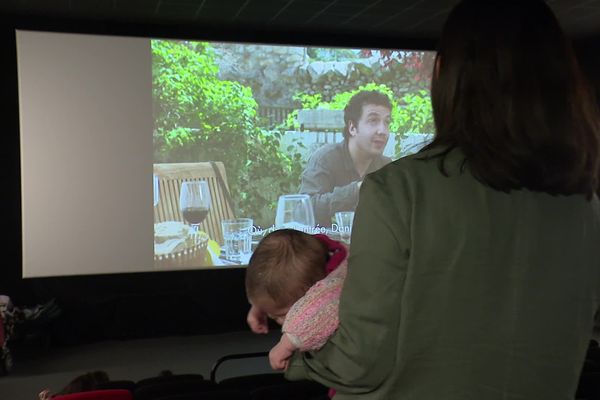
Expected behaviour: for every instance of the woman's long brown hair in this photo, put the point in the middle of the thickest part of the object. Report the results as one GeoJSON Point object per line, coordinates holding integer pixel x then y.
{"type": "Point", "coordinates": [509, 93]}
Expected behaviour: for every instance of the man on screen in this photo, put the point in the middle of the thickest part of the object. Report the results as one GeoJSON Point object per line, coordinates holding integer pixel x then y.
{"type": "Point", "coordinates": [335, 172]}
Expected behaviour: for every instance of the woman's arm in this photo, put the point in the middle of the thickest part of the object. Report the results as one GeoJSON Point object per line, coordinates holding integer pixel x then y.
{"type": "Point", "coordinates": [357, 358]}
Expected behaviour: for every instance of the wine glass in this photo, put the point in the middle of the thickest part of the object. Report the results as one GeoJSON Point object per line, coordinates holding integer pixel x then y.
{"type": "Point", "coordinates": [295, 211]}
{"type": "Point", "coordinates": [194, 202]}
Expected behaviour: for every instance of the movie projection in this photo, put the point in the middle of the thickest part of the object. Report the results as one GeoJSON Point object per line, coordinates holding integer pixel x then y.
{"type": "Point", "coordinates": [236, 125]}
{"type": "Point", "coordinates": [229, 140]}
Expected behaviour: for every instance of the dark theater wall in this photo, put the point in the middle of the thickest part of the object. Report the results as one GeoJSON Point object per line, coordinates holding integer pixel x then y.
{"type": "Point", "coordinates": [106, 306]}
{"type": "Point", "coordinates": [588, 52]}
{"type": "Point", "coordinates": [10, 264]}
{"type": "Point", "coordinates": [141, 304]}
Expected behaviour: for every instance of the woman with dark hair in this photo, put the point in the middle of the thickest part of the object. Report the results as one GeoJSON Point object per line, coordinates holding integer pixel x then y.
{"type": "Point", "coordinates": [475, 264]}
{"type": "Point", "coordinates": [509, 94]}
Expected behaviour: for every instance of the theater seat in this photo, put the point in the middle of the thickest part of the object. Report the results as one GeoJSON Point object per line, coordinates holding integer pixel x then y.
{"type": "Point", "coordinates": [211, 395]}
{"type": "Point", "coordinates": [251, 382]}
{"type": "Point", "coordinates": [296, 390]}
{"type": "Point", "coordinates": [170, 378]}
{"type": "Point", "coordinates": [113, 394]}
{"type": "Point", "coordinates": [266, 386]}
{"type": "Point", "coordinates": [170, 386]}
{"type": "Point", "coordinates": [122, 384]}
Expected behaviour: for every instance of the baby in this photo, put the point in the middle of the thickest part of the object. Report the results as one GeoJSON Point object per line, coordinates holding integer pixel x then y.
{"type": "Point", "coordinates": [296, 279]}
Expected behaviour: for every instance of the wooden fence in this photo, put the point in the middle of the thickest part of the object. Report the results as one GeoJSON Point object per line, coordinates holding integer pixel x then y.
{"type": "Point", "coordinates": [273, 116]}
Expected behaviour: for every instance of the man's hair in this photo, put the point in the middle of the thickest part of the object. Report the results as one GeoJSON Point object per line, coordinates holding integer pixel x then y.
{"type": "Point", "coordinates": [285, 264]}
{"type": "Point", "coordinates": [509, 93]}
{"type": "Point", "coordinates": [354, 108]}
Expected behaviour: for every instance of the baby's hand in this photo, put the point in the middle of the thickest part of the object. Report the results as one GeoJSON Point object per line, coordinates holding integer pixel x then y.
{"type": "Point", "coordinates": [257, 320]}
{"type": "Point", "coordinates": [279, 356]}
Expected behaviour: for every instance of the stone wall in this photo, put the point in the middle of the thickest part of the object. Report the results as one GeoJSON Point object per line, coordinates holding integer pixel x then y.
{"type": "Point", "coordinates": [269, 70]}
{"type": "Point", "coordinates": [332, 77]}
{"type": "Point", "coordinates": [277, 73]}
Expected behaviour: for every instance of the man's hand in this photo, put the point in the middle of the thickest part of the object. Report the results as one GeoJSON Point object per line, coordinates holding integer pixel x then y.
{"type": "Point", "coordinates": [279, 356]}
{"type": "Point", "coordinates": [257, 320]}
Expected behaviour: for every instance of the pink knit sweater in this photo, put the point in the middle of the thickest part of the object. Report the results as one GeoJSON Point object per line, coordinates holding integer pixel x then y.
{"type": "Point", "coordinates": [314, 317]}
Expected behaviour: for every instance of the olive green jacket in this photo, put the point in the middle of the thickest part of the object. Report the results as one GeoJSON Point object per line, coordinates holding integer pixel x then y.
{"type": "Point", "coordinates": [458, 291]}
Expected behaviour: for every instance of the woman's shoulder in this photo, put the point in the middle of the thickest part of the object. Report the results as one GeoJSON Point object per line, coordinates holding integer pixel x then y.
{"type": "Point", "coordinates": [423, 165]}
{"type": "Point", "coordinates": [398, 172]}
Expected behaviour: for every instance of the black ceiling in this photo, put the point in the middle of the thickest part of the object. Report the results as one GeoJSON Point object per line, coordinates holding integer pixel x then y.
{"type": "Point", "coordinates": [405, 19]}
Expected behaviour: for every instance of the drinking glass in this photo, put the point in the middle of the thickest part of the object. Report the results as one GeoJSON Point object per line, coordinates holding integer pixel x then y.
{"type": "Point", "coordinates": [194, 202]}
{"type": "Point", "coordinates": [155, 189]}
{"type": "Point", "coordinates": [237, 235]}
{"type": "Point", "coordinates": [344, 220]}
{"type": "Point", "coordinates": [295, 211]}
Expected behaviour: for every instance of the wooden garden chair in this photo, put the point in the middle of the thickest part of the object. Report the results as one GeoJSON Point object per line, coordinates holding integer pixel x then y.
{"type": "Point", "coordinates": [170, 177]}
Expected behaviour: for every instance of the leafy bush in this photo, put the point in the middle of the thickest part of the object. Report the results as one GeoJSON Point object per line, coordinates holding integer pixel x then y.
{"type": "Point", "coordinates": [415, 114]}
{"type": "Point", "coordinates": [199, 117]}
{"type": "Point", "coordinates": [269, 174]}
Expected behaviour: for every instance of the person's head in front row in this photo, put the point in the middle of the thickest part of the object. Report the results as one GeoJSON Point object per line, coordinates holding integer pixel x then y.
{"type": "Point", "coordinates": [367, 119]}
{"type": "Point", "coordinates": [285, 264]}
{"type": "Point", "coordinates": [82, 383]}
{"type": "Point", "coordinates": [507, 90]}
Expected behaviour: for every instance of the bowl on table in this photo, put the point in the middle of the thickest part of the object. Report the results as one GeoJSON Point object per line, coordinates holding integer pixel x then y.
{"type": "Point", "coordinates": [177, 245]}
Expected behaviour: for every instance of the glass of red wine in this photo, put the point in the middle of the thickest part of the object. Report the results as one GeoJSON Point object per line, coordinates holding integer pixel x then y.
{"type": "Point", "coordinates": [194, 202]}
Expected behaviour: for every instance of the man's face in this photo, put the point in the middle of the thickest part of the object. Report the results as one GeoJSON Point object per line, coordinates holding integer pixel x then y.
{"type": "Point", "coordinates": [372, 131]}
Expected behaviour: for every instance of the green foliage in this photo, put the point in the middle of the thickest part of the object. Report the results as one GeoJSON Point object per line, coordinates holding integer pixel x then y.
{"type": "Point", "coordinates": [199, 117]}
{"type": "Point", "coordinates": [410, 114]}
{"type": "Point", "coordinates": [416, 115]}
{"type": "Point", "coordinates": [308, 102]}
{"type": "Point", "coordinates": [269, 173]}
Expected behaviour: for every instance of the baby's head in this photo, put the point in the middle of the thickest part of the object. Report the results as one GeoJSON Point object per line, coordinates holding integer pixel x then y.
{"type": "Point", "coordinates": [285, 264]}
